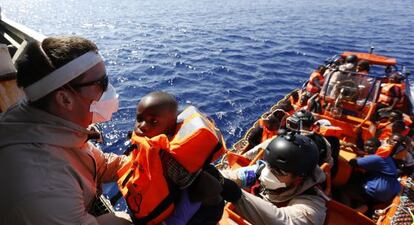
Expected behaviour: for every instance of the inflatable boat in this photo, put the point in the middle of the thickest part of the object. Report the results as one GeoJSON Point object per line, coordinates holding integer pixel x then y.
{"type": "Point", "coordinates": [350, 104]}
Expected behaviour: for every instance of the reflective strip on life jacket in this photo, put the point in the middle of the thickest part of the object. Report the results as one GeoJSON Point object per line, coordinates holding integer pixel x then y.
{"type": "Point", "coordinates": [311, 87]}
{"type": "Point", "coordinates": [385, 94]}
{"type": "Point", "coordinates": [196, 140]}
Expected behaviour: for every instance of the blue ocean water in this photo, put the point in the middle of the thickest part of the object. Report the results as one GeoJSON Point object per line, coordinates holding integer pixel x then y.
{"type": "Point", "coordinates": [233, 59]}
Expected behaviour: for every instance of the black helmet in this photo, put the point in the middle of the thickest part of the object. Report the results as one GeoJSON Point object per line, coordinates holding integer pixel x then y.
{"type": "Point", "coordinates": [299, 120]}
{"type": "Point", "coordinates": [351, 59]}
{"type": "Point", "coordinates": [293, 153]}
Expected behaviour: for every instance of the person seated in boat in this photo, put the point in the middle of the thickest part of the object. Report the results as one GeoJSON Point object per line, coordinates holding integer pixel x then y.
{"type": "Point", "coordinates": [385, 123]}
{"type": "Point", "coordinates": [303, 121]}
{"type": "Point", "coordinates": [378, 182]}
{"type": "Point", "coordinates": [266, 128]}
{"type": "Point", "coordinates": [350, 64]}
{"type": "Point", "coordinates": [342, 77]}
{"type": "Point", "coordinates": [363, 82]}
{"type": "Point", "coordinates": [284, 184]}
{"type": "Point", "coordinates": [156, 116]}
{"type": "Point", "coordinates": [393, 144]}
{"type": "Point", "coordinates": [314, 84]}
{"type": "Point", "coordinates": [53, 172]}
{"type": "Point", "coordinates": [392, 93]}
{"type": "Point", "coordinates": [394, 127]}
{"type": "Point", "coordinates": [402, 154]}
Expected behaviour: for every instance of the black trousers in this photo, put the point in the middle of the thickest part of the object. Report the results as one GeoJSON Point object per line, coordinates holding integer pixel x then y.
{"type": "Point", "coordinates": [208, 215]}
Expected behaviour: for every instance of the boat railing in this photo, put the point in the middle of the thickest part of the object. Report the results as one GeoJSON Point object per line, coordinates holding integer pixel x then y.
{"type": "Point", "coordinates": [17, 35]}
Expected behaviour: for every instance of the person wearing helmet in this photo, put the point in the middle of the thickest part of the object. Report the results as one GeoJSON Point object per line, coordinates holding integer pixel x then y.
{"type": "Point", "coordinates": [350, 63]}
{"type": "Point", "coordinates": [343, 75]}
{"type": "Point", "coordinates": [303, 121]}
{"type": "Point", "coordinates": [286, 180]}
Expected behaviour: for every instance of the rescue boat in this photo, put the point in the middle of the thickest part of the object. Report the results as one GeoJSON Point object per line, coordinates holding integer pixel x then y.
{"type": "Point", "coordinates": [350, 106]}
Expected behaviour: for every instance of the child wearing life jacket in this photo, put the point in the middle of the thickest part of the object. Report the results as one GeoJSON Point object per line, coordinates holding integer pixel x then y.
{"type": "Point", "coordinates": [157, 114]}
{"type": "Point", "coordinates": [157, 128]}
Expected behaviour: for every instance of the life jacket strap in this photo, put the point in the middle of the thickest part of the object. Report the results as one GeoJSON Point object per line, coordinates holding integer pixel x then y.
{"type": "Point", "coordinates": [174, 191]}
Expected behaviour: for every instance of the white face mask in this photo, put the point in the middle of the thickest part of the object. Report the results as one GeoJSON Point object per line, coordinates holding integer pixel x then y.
{"type": "Point", "coordinates": [270, 181]}
{"type": "Point", "coordinates": [106, 105]}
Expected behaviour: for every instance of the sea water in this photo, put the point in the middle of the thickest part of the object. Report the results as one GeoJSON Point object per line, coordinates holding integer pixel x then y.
{"type": "Point", "coordinates": [232, 59]}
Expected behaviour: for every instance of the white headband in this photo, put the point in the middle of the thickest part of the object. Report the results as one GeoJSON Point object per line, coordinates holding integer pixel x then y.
{"type": "Point", "coordinates": [62, 75]}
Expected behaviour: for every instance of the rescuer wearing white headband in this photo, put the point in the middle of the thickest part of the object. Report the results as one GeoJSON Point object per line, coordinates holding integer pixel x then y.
{"type": "Point", "coordinates": [91, 67]}
{"type": "Point", "coordinates": [53, 172]}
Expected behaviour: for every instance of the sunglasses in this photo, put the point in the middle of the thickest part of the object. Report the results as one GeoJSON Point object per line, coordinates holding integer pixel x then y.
{"type": "Point", "coordinates": [103, 82]}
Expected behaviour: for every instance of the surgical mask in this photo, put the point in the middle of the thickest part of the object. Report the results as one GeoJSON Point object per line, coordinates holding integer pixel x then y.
{"type": "Point", "coordinates": [270, 181]}
{"type": "Point", "coordinates": [106, 105]}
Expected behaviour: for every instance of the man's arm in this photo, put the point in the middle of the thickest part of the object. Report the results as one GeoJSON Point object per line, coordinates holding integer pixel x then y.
{"type": "Point", "coordinates": [107, 164]}
{"type": "Point", "coordinates": [300, 211]}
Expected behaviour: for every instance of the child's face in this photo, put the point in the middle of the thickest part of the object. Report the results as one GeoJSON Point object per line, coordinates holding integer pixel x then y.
{"type": "Point", "coordinates": [153, 121]}
{"type": "Point", "coordinates": [370, 147]}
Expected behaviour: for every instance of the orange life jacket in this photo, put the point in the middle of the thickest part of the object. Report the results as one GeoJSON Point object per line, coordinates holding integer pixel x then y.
{"type": "Point", "coordinates": [311, 87]}
{"type": "Point", "coordinates": [150, 197]}
{"type": "Point", "coordinates": [142, 182]}
{"type": "Point", "coordinates": [386, 96]}
{"type": "Point", "coordinates": [384, 150]}
{"type": "Point", "coordinates": [197, 137]}
{"type": "Point", "coordinates": [266, 134]}
{"type": "Point", "coordinates": [386, 130]}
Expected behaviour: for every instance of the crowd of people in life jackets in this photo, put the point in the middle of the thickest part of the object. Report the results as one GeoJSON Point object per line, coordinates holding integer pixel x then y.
{"type": "Point", "coordinates": [54, 173]}
{"type": "Point", "coordinates": [380, 160]}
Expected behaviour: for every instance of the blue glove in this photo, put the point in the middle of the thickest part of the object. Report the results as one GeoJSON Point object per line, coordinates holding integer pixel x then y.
{"type": "Point", "coordinates": [184, 210]}
{"type": "Point", "coordinates": [247, 175]}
